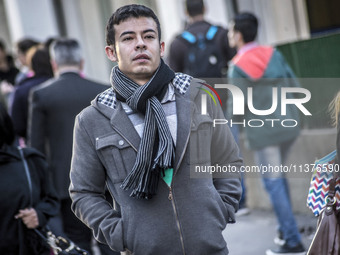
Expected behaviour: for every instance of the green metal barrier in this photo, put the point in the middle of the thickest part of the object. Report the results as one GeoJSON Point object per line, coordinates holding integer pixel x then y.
{"type": "Point", "coordinates": [318, 60]}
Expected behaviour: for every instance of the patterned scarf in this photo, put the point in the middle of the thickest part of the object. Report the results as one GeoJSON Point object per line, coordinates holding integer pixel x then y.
{"type": "Point", "coordinates": [156, 150]}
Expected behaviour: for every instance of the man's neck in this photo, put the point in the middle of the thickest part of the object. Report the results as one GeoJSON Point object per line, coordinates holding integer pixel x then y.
{"type": "Point", "coordinates": [239, 45]}
{"type": "Point", "coordinates": [68, 69]}
{"type": "Point", "coordinates": [196, 18]}
{"type": "Point", "coordinates": [246, 46]}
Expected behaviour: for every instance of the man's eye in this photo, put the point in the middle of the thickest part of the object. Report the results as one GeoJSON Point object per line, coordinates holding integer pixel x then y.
{"type": "Point", "coordinates": [149, 37]}
{"type": "Point", "coordinates": [127, 38]}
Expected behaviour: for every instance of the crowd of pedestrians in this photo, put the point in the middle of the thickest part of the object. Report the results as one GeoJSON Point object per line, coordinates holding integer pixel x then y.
{"type": "Point", "coordinates": [42, 100]}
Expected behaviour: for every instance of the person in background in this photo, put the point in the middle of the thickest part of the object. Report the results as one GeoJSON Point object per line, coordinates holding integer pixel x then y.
{"type": "Point", "coordinates": [22, 48]}
{"type": "Point", "coordinates": [263, 68]}
{"type": "Point", "coordinates": [134, 140]}
{"type": "Point", "coordinates": [215, 64]}
{"type": "Point", "coordinates": [53, 107]}
{"type": "Point", "coordinates": [41, 66]}
{"type": "Point", "coordinates": [18, 217]}
{"type": "Point", "coordinates": [8, 72]}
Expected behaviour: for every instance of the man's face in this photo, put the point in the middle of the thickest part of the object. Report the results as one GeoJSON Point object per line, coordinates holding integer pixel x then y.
{"type": "Point", "coordinates": [231, 35]}
{"type": "Point", "coordinates": [2, 54]}
{"type": "Point", "coordinates": [137, 48]}
{"type": "Point", "coordinates": [22, 58]}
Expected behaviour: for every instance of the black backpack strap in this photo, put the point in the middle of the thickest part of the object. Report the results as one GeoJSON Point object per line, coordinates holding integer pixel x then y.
{"type": "Point", "coordinates": [212, 31]}
{"type": "Point", "coordinates": [188, 37]}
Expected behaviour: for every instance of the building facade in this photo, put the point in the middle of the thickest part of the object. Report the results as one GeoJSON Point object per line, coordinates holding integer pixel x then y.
{"type": "Point", "coordinates": [280, 21]}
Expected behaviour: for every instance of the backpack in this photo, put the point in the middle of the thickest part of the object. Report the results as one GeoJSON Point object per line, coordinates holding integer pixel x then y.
{"type": "Point", "coordinates": [204, 57]}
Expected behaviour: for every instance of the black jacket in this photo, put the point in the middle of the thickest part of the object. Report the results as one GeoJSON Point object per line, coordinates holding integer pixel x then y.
{"type": "Point", "coordinates": [20, 103]}
{"type": "Point", "coordinates": [15, 195]}
{"type": "Point", "coordinates": [54, 107]}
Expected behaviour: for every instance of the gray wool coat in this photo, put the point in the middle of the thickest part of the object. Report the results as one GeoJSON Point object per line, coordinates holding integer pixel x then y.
{"type": "Point", "coordinates": [186, 218]}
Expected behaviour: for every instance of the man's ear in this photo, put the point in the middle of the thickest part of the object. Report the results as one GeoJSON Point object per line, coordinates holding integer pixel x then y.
{"type": "Point", "coordinates": [54, 67]}
{"type": "Point", "coordinates": [81, 65]}
{"type": "Point", "coordinates": [238, 37]}
{"type": "Point", "coordinates": [111, 53]}
{"type": "Point", "coordinates": [162, 48]}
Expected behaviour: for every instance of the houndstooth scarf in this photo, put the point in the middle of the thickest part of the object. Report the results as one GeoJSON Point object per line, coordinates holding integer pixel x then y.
{"type": "Point", "coordinates": [156, 149]}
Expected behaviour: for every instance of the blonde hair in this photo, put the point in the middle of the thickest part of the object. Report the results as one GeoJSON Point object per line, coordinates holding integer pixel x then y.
{"type": "Point", "coordinates": [29, 55]}
{"type": "Point", "coordinates": [334, 108]}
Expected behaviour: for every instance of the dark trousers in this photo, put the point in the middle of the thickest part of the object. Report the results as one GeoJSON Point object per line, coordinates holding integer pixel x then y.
{"type": "Point", "coordinates": [77, 231]}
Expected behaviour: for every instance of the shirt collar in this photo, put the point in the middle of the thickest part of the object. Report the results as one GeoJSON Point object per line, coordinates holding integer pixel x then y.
{"type": "Point", "coordinates": [247, 47]}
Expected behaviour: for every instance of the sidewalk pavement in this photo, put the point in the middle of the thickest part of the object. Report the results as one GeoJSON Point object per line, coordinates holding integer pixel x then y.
{"type": "Point", "coordinates": [254, 233]}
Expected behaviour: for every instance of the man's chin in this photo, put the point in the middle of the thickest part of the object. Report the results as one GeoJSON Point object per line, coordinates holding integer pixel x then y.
{"type": "Point", "coordinates": [144, 70]}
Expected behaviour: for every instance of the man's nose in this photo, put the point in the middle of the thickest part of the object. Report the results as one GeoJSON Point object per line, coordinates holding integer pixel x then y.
{"type": "Point", "coordinates": [140, 43]}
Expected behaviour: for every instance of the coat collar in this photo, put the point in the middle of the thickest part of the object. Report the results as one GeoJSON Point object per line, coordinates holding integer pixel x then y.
{"type": "Point", "coordinates": [121, 123]}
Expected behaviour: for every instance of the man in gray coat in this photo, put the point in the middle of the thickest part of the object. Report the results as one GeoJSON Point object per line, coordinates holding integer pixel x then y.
{"type": "Point", "coordinates": [143, 139]}
{"type": "Point", "coordinates": [53, 108]}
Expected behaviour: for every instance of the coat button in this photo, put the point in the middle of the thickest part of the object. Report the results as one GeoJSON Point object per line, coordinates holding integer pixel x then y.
{"type": "Point", "coordinates": [121, 142]}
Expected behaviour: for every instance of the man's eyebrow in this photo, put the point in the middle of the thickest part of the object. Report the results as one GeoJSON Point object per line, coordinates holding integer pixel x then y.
{"type": "Point", "coordinates": [132, 32]}
{"type": "Point", "coordinates": [149, 30]}
{"type": "Point", "coordinates": [126, 33]}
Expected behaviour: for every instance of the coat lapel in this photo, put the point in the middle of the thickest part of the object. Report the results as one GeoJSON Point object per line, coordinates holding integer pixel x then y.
{"type": "Point", "coordinates": [184, 108]}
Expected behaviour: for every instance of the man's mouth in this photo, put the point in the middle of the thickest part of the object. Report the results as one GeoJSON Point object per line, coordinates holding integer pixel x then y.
{"type": "Point", "coordinates": [141, 57]}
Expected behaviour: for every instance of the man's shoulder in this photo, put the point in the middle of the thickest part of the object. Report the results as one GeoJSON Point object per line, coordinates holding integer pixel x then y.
{"type": "Point", "coordinates": [53, 84]}
{"type": "Point", "coordinates": [187, 86]}
{"type": "Point", "coordinates": [41, 87]}
{"type": "Point", "coordinates": [94, 83]}
{"type": "Point", "coordinates": [183, 83]}
{"type": "Point", "coordinates": [89, 113]}
{"type": "Point", "coordinates": [202, 27]}
{"type": "Point", "coordinates": [76, 79]}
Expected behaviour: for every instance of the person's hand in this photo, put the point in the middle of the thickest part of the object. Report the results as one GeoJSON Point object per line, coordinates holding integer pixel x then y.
{"type": "Point", "coordinates": [6, 88]}
{"type": "Point", "coordinates": [29, 217]}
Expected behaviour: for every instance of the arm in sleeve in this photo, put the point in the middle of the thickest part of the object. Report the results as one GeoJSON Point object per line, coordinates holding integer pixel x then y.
{"type": "Point", "coordinates": [18, 114]}
{"type": "Point", "coordinates": [36, 122]}
{"type": "Point", "coordinates": [176, 55]}
{"type": "Point", "coordinates": [87, 191]}
{"type": "Point", "coordinates": [225, 152]}
{"type": "Point", "coordinates": [48, 205]}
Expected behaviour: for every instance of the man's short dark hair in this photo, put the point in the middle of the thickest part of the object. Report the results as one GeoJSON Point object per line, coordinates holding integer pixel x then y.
{"type": "Point", "coordinates": [246, 23]}
{"type": "Point", "coordinates": [194, 7]}
{"type": "Point", "coordinates": [7, 133]}
{"type": "Point", "coordinates": [125, 12]}
{"type": "Point", "coordinates": [25, 44]}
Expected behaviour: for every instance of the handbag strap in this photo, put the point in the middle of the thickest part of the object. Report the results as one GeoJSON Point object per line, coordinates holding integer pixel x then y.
{"type": "Point", "coordinates": [27, 171]}
{"type": "Point", "coordinates": [331, 198]}
{"type": "Point", "coordinates": [331, 190]}
{"type": "Point", "coordinates": [29, 181]}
